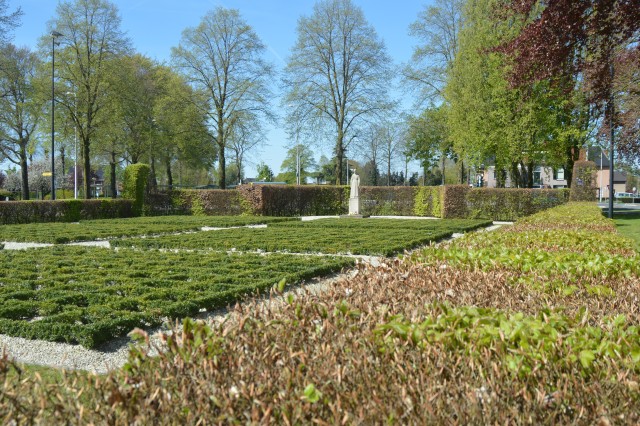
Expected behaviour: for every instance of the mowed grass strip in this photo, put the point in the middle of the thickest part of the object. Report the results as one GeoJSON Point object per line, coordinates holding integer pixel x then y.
{"type": "Point", "coordinates": [331, 236]}
{"type": "Point", "coordinates": [88, 296]}
{"type": "Point", "coordinates": [91, 230]}
{"type": "Point", "coordinates": [628, 224]}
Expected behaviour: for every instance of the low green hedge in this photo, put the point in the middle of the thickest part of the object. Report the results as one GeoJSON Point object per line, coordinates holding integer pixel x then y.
{"type": "Point", "coordinates": [15, 212]}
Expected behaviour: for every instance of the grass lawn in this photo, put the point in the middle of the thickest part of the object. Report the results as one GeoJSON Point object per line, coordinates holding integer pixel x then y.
{"type": "Point", "coordinates": [628, 224]}
{"type": "Point", "coordinates": [89, 230]}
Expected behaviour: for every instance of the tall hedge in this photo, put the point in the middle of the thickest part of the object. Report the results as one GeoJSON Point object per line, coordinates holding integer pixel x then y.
{"type": "Point", "coordinates": [454, 201]}
{"type": "Point", "coordinates": [584, 186]}
{"type": "Point", "coordinates": [134, 186]}
{"type": "Point", "coordinates": [511, 203]}
{"type": "Point", "coordinates": [451, 201]}
{"type": "Point", "coordinates": [387, 200]}
{"type": "Point", "coordinates": [428, 201]}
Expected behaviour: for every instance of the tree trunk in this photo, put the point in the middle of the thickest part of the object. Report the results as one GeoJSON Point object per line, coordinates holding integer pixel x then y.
{"type": "Point", "coordinates": [169, 174]}
{"type": "Point", "coordinates": [24, 171]}
{"type": "Point", "coordinates": [462, 176]}
{"type": "Point", "coordinates": [530, 169]}
{"type": "Point", "coordinates": [87, 169]}
{"type": "Point", "coordinates": [444, 179]}
{"type": "Point", "coordinates": [222, 165]}
{"type": "Point", "coordinates": [153, 180]}
{"type": "Point", "coordinates": [339, 157]}
{"type": "Point", "coordinates": [112, 165]}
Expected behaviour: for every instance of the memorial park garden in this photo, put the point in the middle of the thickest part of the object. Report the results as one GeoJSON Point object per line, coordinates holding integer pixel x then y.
{"type": "Point", "coordinates": [490, 287]}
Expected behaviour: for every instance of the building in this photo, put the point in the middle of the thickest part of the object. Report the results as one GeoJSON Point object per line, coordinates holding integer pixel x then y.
{"type": "Point", "coordinates": [543, 177]}
{"type": "Point", "coordinates": [599, 156]}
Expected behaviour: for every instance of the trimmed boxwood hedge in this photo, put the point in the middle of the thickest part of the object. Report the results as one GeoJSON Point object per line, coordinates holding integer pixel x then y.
{"type": "Point", "coordinates": [16, 212]}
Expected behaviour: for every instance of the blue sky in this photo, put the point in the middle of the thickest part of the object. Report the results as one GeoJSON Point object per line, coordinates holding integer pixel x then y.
{"type": "Point", "coordinates": [154, 26]}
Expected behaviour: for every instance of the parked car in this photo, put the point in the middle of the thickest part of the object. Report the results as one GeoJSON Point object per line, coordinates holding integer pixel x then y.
{"type": "Point", "coordinates": [625, 195]}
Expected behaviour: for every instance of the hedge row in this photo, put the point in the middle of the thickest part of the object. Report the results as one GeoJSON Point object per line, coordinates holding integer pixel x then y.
{"type": "Point", "coordinates": [451, 201]}
{"type": "Point", "coordinates": [15, 212]}
{"type": "Point", "coordinates": [215, 202]}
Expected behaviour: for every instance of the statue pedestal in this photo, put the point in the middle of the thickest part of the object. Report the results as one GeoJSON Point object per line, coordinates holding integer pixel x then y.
{"type": "Point", "coordinates": [354, 206]}
{"type": "Point", "coordinates": [354, 209]}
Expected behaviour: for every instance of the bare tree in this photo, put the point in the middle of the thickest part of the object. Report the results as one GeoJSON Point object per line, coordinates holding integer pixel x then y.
{"type": "Point", "coordinates": [437, 30]}
{"type": "Point", "coordinates": [20, 107]}
{"type": "Point", "coordinates": [8, 21]}
{"type": "Point", "coordinates": [223, 57]}
{"type": "Point", "coordinates": [91, 38]}
{"type": "Point", "coordinates": [245, 137]}
{"type": "Point", "coordinates": [338, 72]}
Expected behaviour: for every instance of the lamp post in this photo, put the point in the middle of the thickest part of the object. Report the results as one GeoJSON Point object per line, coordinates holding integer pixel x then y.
{"type": "Point", "coordinates": [75, 146]}
{"type": "Point", "coordinates": [612, 130]}
{"type": "Point", "coordinates": [54, 35]}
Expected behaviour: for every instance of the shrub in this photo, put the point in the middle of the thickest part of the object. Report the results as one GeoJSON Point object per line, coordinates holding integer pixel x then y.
{"type": "Point", "coordinates": [215, 202]}
{"type": "Point", "coordinates": [272, 200]}
{"type": "Point", "coordinates": [512, 203]}
{"type": "Point", "coordinates": [15, 212]}
{"type": "Point", "coordinates": [454, 204]}
{"type": "Point", "coordinates": [584, 186]}
{"type": "Point", "coordinates": [428, 201]}
{"type": "Point", "coordinates": [387, 200]}
{"type": "Point", "coordinates": [134, 186]}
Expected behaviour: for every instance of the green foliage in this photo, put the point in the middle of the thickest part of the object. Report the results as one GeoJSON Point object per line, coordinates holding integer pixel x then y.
{"type": "Point", "coordinates": [584, 186]}
{"type": "Point", "coordinates": [387, 200]}
{"type": "Point", "coordinates": [23, 212]}
{"type": "Point", "coordinates": [511, 203]}
{"type": "Point", "coordinates": [76, 294]}
{"type": "Point", "coordinates": [134, 186]}
{"type": "Point", "coordinates": [428, 201]}
{"type": "Point", "coordinates": [333, 236]}
{"type": "Point", "coordinates": [552, 250]}
{"type": "Point", "coordinates": [90, 230]}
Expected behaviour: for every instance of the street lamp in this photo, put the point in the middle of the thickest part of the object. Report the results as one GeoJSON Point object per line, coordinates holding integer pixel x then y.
{"type": "Point", "coordinates": [54, 35]}
{"type": "Point", "coordinates": [75, 146]}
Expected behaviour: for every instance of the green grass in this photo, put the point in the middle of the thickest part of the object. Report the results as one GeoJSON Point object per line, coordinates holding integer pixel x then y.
{"type": "Point", "coordinates": [628, 224]}
{"type": "Point", "coordinates": [331, 236]}
{"type": "Point", "coordinates": [89, 295]}
{"type": "Point", "coordinates": [90, 230]}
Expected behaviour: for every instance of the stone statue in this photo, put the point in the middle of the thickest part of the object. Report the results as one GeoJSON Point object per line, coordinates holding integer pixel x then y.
{"type": "Point", "coordinates": [355, 185]}
{"type": "Point", "coordinates": [354, 195]}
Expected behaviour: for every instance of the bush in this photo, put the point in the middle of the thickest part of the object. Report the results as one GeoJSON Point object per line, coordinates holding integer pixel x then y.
{"type": "Point", "coordinates": [15, 212]}
{"type": "Point", "coordinates": [584, 186]}
{"type": "Point", "coordinates": [215, 202]}
{"type": "Point", "coordinates": [387, 200]}
{"type": "Point", "coordinates": [428, 201]}
{"type": "Point", "coordinates": [272, 200]}
{"type": "Point", "coordinates": [454, 204]}
{"type": "Point", "coordinates": [134, 186]}
{"type": "Point", "coordinates": [512, 203]}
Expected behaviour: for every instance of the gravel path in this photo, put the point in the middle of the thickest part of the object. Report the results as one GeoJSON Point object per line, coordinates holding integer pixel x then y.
{"type": "Point", "coordinates": [114, 354]}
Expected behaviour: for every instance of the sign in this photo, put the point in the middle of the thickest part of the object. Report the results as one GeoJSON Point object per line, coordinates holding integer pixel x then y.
{"type": "Point", "coordinates": [46, 173]}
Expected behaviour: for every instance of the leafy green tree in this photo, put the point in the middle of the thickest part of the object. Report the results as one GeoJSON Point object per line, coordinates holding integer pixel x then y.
{"type": "Point", "coordinates": [428, 137]}
{"type": "Point", "coordinates": [222, 57]}
{"type": "Point", "coordinates": [338, 73]}
{"type": "Point", "coordinates": [265, 174]}
{"type": "Point", "coordinates": [91, 39]}
{"type": "Point", "coordinates": [20, 107]}
{"type": "Point", "coordinates": [289, 167]}
{"type": "Point", "coordinates": [487, 119]}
